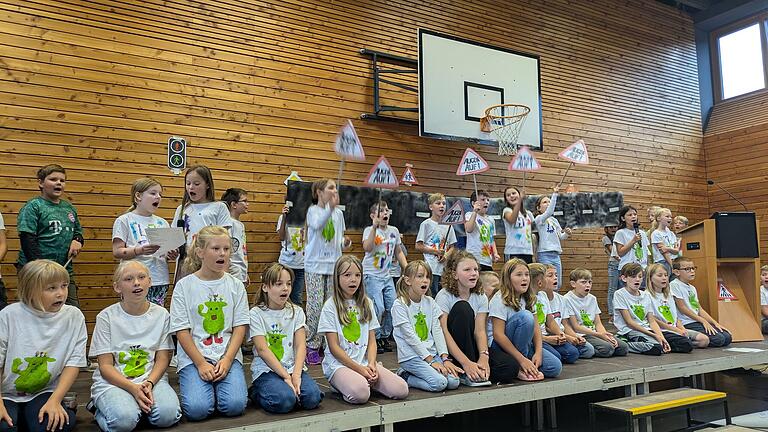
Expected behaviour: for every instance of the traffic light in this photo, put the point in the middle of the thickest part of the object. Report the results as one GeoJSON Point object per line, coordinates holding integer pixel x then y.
{"type": "Point", "coordinates": [177, 154]}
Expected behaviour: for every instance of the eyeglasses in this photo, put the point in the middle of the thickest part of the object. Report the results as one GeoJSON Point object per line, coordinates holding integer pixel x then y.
{"type": "Point", "coordinates": [689, 268]}
{"type": "Point", "coordinates": [243, 202]}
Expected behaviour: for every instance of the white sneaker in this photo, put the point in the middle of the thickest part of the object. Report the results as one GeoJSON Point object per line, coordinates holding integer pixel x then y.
{"type": "Point", "coordinates": [464, 379]}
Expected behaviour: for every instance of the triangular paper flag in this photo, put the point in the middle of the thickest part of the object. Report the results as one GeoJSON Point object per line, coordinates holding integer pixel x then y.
{"type": "Point", "coordinates": [293, 176]}
{"type": "Point", "coordinates": [408, 177]}
{"type": "Point", "coordinates": [524, 161]}
{"type": "Point", "coordinates": [382, 175]}
{"type": "Point", "coordinates": [472, 163]}
{"type": "Point", "coordinates": [723, 292]}
{"type": "Point", "coordinates": [454, 215]}
{"type": "Point", "coordinates": [348, 145]}
{"type": "Point", "coordinates": [576, 153]}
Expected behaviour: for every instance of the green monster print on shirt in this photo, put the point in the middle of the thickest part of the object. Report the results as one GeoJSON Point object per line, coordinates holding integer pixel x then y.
{"type": "Point", "coordinates": [135, 361]}
{"type": "Point", "coordinates": [422, 331]}
{"type": "Point", "coordinates": [639, 311]}
{"type": "Point", "coordinates": [329, 231]}
{"type": "Point", "coordinates": [666, 313]}
{"type": "Point", "coordinates": [541, 317]}
{"type": "Point", "coordinates": [213, 319]}
{"type": "Point", "coordinates": [275, 340]}
{"type": "Point", "coordinates": [35, 376]}
{"type": "Point", "coordinates": [351, 331]}
{"type": "Point", "coordinates": [638, 249]}
{"type": "Point", "coordinates": [694, 301]}
{"type": "Point", "coordinates": [587, 320]}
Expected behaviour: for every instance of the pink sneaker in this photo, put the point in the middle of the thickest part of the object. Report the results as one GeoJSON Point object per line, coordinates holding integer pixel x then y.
{"type": "Point", "coordinates": [313, 357]}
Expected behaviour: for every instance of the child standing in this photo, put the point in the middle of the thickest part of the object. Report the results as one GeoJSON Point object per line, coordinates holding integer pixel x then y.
{"type": "Point", "coordinates": [280, 380]}
{"type": "Point", "coordinates": [665, 313]}
{"type": "Point", "coordinates": [49, 227]}
{"type": "Point", "coordinates": [679, 223]}
{"type": "Point", "coordinates": [465, 313]}
{"type": "Point", "coordinates": [421, 348]}
{"type": "Point", "coordinates": [515, 332]}
{"type": "Point", "coordinates": [3, 251]}
{"type": "Point", "coordinates": [550, 233]}
{"type": "Point", "coordinates": [764, 298]}
{"type": "Point", "coordinates": [292, 254]}
{"type": "Point", "coordinates": [631, 242]}
{"type": "Point", "coordinates": [348, 322]}
{"type": "Point", "coordinates": [692, 315]}
{"type": "Point", "coordinates": [325, 240]}
{"type": "Point", "coordinates": [665, 243]}
{"type": "Point", "coordinates": [518, 226]}
{"type": "Point", "coordinates": [613, 263]}
{"type": "Point", "coordinates": [585, 316]}
{"type": "Point", "coordinates": [632, 311]}
{"type": "Point", "coordinates": [381, 244]}
{"type": "Point", "coordinates": [236, 200]}
{"type": "Point", "coordinates": [40, 331]}
{"type": "Point", "coordinates": [209, 313]}
{"type": "Point", "coordinates": [435, 241]}
{"type": "Point", "coordinates": [198, 209]}
{"type": "Point", "coordinates": [130, 240]}
{"type": "Point", "coordinates": [133, 345]}
{"type": "Point", "coordinates": [481, 231]}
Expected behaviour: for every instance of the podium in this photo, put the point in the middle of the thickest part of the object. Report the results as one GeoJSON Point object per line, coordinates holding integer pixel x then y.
{"type": "Point", "coordinates": [726, 253]}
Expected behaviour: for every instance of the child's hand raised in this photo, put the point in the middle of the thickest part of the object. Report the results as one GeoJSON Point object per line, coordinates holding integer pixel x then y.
{"type": "Point", "coordinates": [286, 209]}
{"type": "Point", "coordinates": [556, 189]}
{"type": "Point", "coordinates": [568, 230]}
{"type": "Point", "coordinates": [477, 206]}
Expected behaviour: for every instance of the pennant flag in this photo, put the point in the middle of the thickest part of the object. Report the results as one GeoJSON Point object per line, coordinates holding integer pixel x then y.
{"type": "Point", "coordinates": [293, 176]}
{"type": "Point", "coordinates": [454, 215]}
{"type": "Point", "coordinates": [348, 145]}
{"type": "Point", "coordinates": [472, 163]}
{"type": "Point", "coordinates": [382, 175]}
{"type": "Point", "coordinates": [576, 153]}
{"type": "Point", "coordinates": [524, 161]}
{"type": "Point", "coordinates": [723, 293]}
{"type": "Point", "coordinates": [408, 177]}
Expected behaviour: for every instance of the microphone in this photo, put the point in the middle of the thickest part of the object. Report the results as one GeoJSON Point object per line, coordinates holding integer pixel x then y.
{"type": "Point", "coordinates": [637, 227]}
{"type": "Point", "coordinates": [712, 182]}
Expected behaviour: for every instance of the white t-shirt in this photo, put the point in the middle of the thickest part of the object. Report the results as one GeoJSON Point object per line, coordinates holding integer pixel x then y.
{"type": "Point", "coordinates": [519, 235]}
{"type": "Point", "coordinates": [664, 308]}
{"type": "Point", "coordinates": [292, 250]}
{"type": "Point", "coordinates": [763, 296]}
{"type": "Point", "coordinates": [209, 310]}
{"type": "Point", "coordinates": [133, 341]}
{"type": "Point", "coordinates": [325, 238]}
{"type": "Point", "coordinates": [353, 337]}
{"type": "Point", "coordinates": [131, 228]}
{"type": "Point", "coordinates": [446, 300]}
{"type": "Point", "coordinates": [435, 236]}
{"type": "Point", "coordinates": [639, 252]}
{"type": "Point", "coordinates": [199, 216]}
{"type": "Point", "coordinates": [668, 238]}
{"type": "Point", "coordinates": [548, 227]}
{"type": "Point", "coordinates": [396, 271]}
{"type": "Point", "coordinates": [614, 256]}
{"type": "Point", "coordinates": [35, 347]}
{"type": "Point", "coordinates": [689, 295]}
{"type": "Point", "coordinates": [557, 307]}
{"type": "Point", "coordinates": [378, 262]}
{"type": "Point", "coordinates": [638, 306]}
{"type": "Point", "coordinates": [541, 310]}
{"type": "Point", "coordinates": [585, 309]}
{"type": "Point", "coordinates": [417, 331]}
{"type": "Point", "coordinates": [480, 240]}
{"type": "Point", "coordinates": [278, 327]}
{"type": "Point", "coordinates": [238, 261]}
{"type": "Point", "coordinates": [2, 228]}
{"type": "Point", "coordinates": [497, 309]}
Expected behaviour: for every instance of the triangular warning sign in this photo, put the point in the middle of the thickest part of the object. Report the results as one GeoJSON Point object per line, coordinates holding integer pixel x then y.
{"type": "Point", "coordinates": [723, 293]}
{"type": "Point", "coordinates": [472, 163]}
{"type": "Point", "coordinates": [524, 161]}
{"type": "Point", "coordinates": [576, 153]}
{"type": "Point", "coordinates": [382, 175]}
{"type": "Point", "coordinates": [293, 176]}
{"type": "Point", "coordinates": [348, 145]}
{"type": "Point", "coordinates": [454, 215]}
{"type": "Point", "coordinates": [408, 177]}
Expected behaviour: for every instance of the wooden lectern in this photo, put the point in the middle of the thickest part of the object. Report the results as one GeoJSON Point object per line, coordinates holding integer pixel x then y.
{"type": "Point", "coordinates": [728, 281]}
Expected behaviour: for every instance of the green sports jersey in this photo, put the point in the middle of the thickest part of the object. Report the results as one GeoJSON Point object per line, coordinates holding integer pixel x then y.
{"type": "Point", "coordinates": [54, 225]}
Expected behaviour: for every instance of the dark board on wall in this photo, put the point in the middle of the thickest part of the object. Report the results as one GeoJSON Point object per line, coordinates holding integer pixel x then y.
{"type": "Point", "coordinates": [409, 209]}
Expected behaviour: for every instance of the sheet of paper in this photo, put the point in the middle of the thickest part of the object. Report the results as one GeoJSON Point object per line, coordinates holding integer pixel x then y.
{"type": "Point", "coordinates": [744, 350]}
{"type": "Point", "coordinates": [167, 238]}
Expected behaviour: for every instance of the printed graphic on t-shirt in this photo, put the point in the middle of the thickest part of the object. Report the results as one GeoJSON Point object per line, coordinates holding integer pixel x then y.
{"type": "Point", "coordinates": [541, 317]}
{"type": "Point", "coordinates": [55, 226]}
{"type": "Point", "coordinates": [329, 231]}
{"type": "Point", "coordinates": [135, 361]}
{"type": "Point", "coordinates": [485, 238]}
{"type": "Point", "coordinates": [212, 312]}
{"type": "Point", "coordinates": [297, 242]}
{"type": "Point", "coordinates": [638, 250]}
{"type": "Point", "coordinates": [275, 338]}
{"type": "Point", "coordinates": [587, 320]}
{"type": "Point", "coordinates": [351, 331]}
{"type": "Point", "coordinates": [422, 331]}
{"type": "Point", "coordinates": [551, 228]}
{"type": "Point", "coordinates": [639, 311]}
{"type": "Point", "coordinates": [666, 313]}
{"type": "Point", "coordinates": [694, 301]}
{"type": "Point", "coordinates": [35, 376]}
{"type": "Point", "coordinates": [380, 256]}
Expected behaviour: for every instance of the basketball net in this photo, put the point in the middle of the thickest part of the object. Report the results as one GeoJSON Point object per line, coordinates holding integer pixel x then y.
{"type": "Point", "coordinates": [505, 122]}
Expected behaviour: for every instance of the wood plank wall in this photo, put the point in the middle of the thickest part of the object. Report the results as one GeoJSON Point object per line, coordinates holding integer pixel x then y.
{"type": "Point", "coordinates": [260, 88]}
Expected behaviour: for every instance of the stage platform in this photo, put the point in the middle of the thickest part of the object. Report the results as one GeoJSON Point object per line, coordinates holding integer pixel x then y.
{"type": "Point", "coordinates": [633, 373]}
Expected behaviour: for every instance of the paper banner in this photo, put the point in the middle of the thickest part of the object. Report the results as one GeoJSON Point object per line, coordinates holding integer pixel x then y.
{"type": "Point", "coordinates": [348, 145]}
{"type": "Point", "coordinates": [472, 163]}
{"type": "Point", "coordinates": [524, 161]}
{"type": "Point", "coordinates": [454, 215]}
{"type": "Point", "coordinates": [293, 176]}
{"type": "Point", "coordinates": [576, 153]}
{"type": "Point", "coordinates": [382, 175]}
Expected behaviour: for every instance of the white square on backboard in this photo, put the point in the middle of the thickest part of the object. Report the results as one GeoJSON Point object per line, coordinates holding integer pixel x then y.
{"type": "Point", "coordinates": [459, 79]}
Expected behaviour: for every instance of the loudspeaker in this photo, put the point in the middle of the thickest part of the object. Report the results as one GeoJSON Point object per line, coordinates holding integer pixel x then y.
{"type": "Point", "coordinates": [736, 234]}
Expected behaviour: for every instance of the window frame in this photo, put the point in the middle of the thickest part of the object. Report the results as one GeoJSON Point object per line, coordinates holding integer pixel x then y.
{"type": "Point", "coordinates": [717, 76]}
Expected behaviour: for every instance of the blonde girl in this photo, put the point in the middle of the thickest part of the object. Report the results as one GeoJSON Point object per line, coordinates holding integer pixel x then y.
{"type": "Point", "coordinates": [550, 232]}
{"type": "Point", "coordinates": [348, 323]}
{"type": "Point", "coordinates": [209, 314]}
{"type": "Point", "coordinates": [664, 242]}
{"type": "Point", "coordinates": [665, 313]}
{"type": "Point", "coordinates": [40, 330]}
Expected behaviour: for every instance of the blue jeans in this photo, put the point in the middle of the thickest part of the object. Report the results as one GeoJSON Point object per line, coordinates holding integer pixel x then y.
{"type": "Point", "coordinates": [568, 353]}
{"type": "Point", "coordinates": [552, 257]}
{"type": "Point", "coordinates": [297, 287]}
{"type": "Point", "coordinates": [117, 410]}
{"type": "Point", "coordinates": [200, 398]}
{"type": "Point", "coordinates": [613, 283]}
{"type": "Point", "coordinates": [24, 415]}
{"type": "Point", "coordinates": [435, 287]}
{"type": "Point", "coordinates": [519, 329]}
{"type": "Point", "coordinates": [270, 392]}
{"type": "Point", "coordinates": [382, 292]}
{"type": "Point", "coordinates": [424, 377]}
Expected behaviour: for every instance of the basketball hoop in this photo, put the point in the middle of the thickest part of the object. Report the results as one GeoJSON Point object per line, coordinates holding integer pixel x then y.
{"type": "Point", "coordinates": [505, 122]}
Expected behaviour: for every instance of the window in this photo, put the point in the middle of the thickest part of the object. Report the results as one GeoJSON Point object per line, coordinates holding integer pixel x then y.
{"type": "Point", "coordinates": [741, 61]}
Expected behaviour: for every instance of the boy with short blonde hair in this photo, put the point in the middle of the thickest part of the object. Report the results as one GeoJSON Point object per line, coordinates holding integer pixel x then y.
{"type": "Point", "coordinates": [435, 241]}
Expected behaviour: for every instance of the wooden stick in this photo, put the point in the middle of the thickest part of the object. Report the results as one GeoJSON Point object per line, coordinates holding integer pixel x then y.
{"type": "Point", "coordinates": [341, 172]}
{"type": "Point", "coordinates": [474, 180]}
{"type": "Point", "coordinates": [566, 173]}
